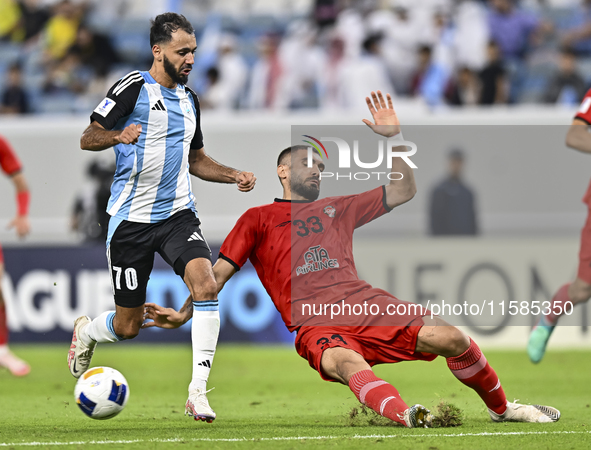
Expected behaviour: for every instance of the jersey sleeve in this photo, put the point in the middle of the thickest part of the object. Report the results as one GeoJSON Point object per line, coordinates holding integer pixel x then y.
{"type": "Point", "coordinates": [365, 207]}
{"type": "Point", "coordinates": [8, 160]}
{"type": "Point", "coordinates": [119, 102]}
{"type": "Point", "coordinates": [241, 241]}
{"type": "Point", "coordinates": [584, 112]}
{"type": "Point", "coordinates": [197, 142]}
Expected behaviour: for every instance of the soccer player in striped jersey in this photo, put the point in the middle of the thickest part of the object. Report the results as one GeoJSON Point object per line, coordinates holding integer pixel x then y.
{"type": "Point", "coordinates": [11, 166]}
{"type": "Point", "coordinates": [289, 243]}
{"type": "Point", "coordinates": [579, 290]}
{"type": "Point", "coordinates": [152, 119]}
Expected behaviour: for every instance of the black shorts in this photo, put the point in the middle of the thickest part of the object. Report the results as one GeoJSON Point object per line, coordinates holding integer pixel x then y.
{"type": "Point", "coordinates": [178, 239]}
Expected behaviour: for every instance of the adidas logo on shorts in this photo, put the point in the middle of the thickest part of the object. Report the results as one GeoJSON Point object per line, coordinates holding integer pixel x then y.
{"type": "Point", "coordinates": [195, 237]}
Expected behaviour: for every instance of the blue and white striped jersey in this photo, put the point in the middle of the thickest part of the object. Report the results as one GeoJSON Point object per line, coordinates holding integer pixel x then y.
{"type": "Point", "coordinates": [152, 180]}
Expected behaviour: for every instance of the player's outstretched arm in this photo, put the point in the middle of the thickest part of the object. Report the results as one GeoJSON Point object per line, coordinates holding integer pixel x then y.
{"type": "Point", "coordinates": [95, 138]}
{"type": "Point", "coordinates": [386, 123]}
{"type": "Point", "coordinates": [222, 271]}
{"type": "Point", "coordinates": [203, 166]}
{"type": "Point", "coordinates": [158, 316]}
{"type": "Point", "coordinates": [21, 221]}
{"type": "Point", "coordinates": [385, 119]}
{"type": "Point", "coordinates": [161, 317]}
{"type": "Point", "coordinates": [578, 136]}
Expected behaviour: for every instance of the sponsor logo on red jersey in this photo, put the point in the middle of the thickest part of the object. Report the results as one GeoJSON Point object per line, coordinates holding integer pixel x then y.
{"type": "Point", "coordinates": [315, 260]}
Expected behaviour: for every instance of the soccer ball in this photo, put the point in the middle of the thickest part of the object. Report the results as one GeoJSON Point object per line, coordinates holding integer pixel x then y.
{"type": "Point", "coordinates": [101, 392]}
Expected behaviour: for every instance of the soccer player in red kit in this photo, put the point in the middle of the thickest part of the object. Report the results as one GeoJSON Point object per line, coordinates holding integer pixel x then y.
{"type": "Point", "coordinates": [578, 291]}
{"type": "Point", "coordinates": [301, 248]}
{"type": "Point", "coordinates": [11, 166]}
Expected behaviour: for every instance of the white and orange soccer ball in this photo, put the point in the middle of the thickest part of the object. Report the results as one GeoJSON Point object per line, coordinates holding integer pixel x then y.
{"type": "Point", "coordinates": [101, 392]}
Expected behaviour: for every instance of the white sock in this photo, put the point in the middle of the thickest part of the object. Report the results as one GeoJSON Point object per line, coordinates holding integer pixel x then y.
{"type": "Point", "coordinates": [100, 330]}
{"type": "Point", "coordinates": [204, 334]}
{"type": "Point", "coordinates": [4, 349]}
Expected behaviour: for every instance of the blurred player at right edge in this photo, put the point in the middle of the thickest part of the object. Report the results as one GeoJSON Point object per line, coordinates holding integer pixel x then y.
{"type": "Point", "coordinates": [578, 291]}
{"type": "Point", "coordinates": [11, 166]}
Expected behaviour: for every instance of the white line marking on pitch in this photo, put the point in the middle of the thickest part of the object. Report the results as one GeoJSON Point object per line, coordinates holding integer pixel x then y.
{"type": "Point", "coordinates": [291, 438]}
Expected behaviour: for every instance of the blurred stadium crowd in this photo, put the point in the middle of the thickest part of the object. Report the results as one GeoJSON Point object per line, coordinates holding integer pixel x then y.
{"type": "Point", "coordinates": [61, 56]}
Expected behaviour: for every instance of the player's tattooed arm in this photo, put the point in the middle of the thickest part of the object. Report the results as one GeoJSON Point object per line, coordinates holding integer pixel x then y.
{"type": "Point", "coordinates": [203, 166]}
{"type": "Point", "coordinates": [386, 123]}
{"type": "Point", "coordinates": [158, 316]}
{"type": "Point", "coordinates": [96, 138]}
{"type": "Point", "coordinates": [578, 136]}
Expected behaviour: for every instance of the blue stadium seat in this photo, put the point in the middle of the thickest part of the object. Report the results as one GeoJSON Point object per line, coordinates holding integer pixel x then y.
{"type": "Point", "coordinates": [131, 39]}
{"type": "Point", "coordinates": [63, 103]}
{"type": "Point", "coordinates": [584, 66]}
{"type": "Point", "coordinates": [538, 76]}
{"type": "Point", "coordinates": [560, 17]}
{"type": "Point", "coordinates": [9, 52]}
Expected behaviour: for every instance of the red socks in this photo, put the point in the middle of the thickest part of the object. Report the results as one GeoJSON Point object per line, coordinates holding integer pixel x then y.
{"type": "Point", "coordinates": [378, 395]}
{"type": "Point", "coordinates": [3, 326]}
{"type": "Point", "coordinates": [472, 369]}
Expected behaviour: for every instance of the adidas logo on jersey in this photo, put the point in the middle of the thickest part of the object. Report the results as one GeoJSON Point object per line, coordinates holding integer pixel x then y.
{"type": "Point", "coordinates": [205, 363]}
{"type": "Point", "coordinates": [195, 237]}
{"type": "Point", "coordinates": [158, 106]}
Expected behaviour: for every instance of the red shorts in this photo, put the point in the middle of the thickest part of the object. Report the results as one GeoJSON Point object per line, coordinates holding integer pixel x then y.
{"type": "Point", "coordinates": [584, 272]}
{"type": "Point", "coordinates": [377, 345]}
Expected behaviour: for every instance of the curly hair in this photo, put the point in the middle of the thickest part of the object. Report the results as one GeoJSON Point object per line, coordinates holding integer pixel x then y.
{"type": "Point", "coordinates": [165, 24]}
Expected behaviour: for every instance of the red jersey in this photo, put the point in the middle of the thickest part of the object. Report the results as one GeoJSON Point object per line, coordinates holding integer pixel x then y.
{"type": "Point", "coordinates": [301, 250]}
{"type": "Point", "coordinates": [584, 114]}
{"type": "Point", "coordinates": [8, 160]}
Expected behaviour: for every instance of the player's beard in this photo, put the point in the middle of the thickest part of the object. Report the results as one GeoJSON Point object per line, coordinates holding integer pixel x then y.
{"type": "Point", "coordinates": [175, 75]}
{"type": "Point", "coordinates": [309, 192]}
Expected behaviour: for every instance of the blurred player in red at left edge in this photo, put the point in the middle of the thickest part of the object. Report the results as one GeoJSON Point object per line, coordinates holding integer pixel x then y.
{"type": "Point", "coordinates": [11, 166]}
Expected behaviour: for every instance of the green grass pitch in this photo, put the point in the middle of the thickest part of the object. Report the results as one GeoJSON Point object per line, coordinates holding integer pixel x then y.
{"type": "Point", "coordinates": [268, 397]}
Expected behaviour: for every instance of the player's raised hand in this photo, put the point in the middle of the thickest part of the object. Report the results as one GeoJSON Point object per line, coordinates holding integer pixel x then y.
{"type": "Point", "coordinates": [130, 134]}
{"type": "Point", "coordinates": [162, 317]}
{"type": "Point", "coordinates": [385, 119]}
{"type": "Point", "coordinates": [21, 224]}
{"type": "Point", "coordinates": [245, 181]}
